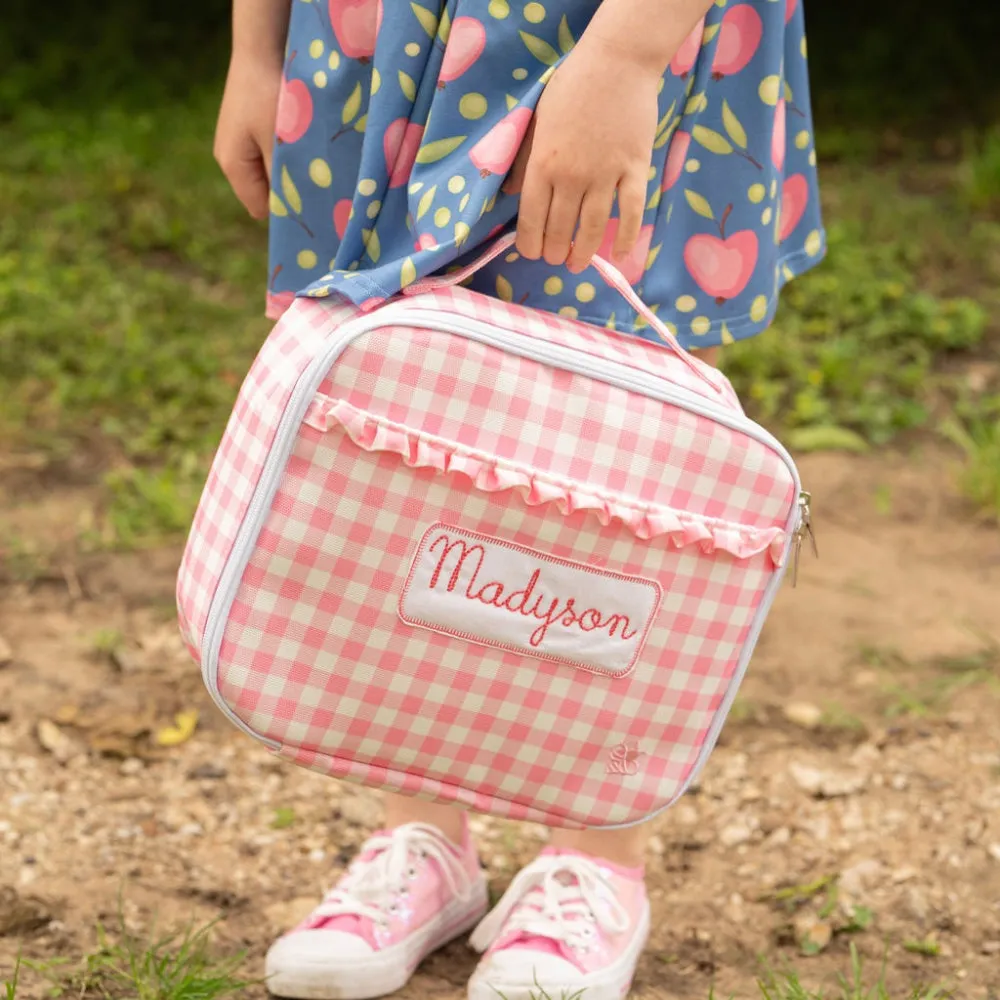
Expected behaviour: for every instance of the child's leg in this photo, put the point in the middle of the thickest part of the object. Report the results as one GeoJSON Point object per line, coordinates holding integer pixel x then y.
{"type": "Point", "coordinates": [623, 847]}
{"type": "Point", "coordinates": [449, 819]}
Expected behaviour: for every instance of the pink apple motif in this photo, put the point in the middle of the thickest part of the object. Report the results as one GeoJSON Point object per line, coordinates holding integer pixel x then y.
{"type": "Point", "coordinates": [356, 23]}
{"type": "Point", "coordinates": [425, 242]}
{"type": "Point", "coordinates": [722, 267]}
{"type": "Point", "coordinates": [465, 45]}
{"type": "Point", "coordinates": [739, 37]}
{"type": "Point", "coordinates": [495, 152]}
{"type": "Point", "coordinates": [794, 198]}
{"type": "Point", "coordinates": [790, 6]}
{"type": "Point", "coordinates": [687, 55]}
{"type": "Point", "coordinates": [342, 216]}
{"type": "Point", "coordinates": [778, 135]}
{"type": "Point", "coordinates": [676, 158]}
{"type": "Point", "coordinates": [633, 266]}
{"type": "Point", "coordinates": [295, 111]}
{"type": "Point", "coordinates": [401, 145]}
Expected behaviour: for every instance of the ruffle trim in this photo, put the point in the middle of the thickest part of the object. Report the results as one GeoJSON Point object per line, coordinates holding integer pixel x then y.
{"type": "Point", "coordinates": [490, 474]}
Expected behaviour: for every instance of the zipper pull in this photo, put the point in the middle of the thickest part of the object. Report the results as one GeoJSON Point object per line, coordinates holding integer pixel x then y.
{"type": "Point", "coordinates": [804, 530]}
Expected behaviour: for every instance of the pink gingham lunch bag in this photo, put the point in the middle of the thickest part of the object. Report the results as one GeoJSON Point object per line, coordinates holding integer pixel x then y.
{"type": "Point", "coordinates": [459, 548]}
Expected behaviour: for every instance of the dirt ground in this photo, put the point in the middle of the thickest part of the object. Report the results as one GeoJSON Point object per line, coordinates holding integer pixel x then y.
{"type": "Point", "coordinates": [865, 746]}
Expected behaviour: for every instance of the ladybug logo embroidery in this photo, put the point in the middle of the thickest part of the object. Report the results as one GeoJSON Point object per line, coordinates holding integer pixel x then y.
{"type": "Point", "coordinates": [624, 759]}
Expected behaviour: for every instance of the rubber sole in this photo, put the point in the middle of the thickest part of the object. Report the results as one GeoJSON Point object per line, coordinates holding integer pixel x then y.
{"type": "Point", "coordinates": [383, 972]}
{"type": "Point", "coordinates": [611, 983]}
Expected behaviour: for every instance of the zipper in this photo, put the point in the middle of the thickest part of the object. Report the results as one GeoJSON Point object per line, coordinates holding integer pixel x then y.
{"type": "Point", "coordinates": [802, 532]}
{"type": "Point", "coordinates": [402, 313]}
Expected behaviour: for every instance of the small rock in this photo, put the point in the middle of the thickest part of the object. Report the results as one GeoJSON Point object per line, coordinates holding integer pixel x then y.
{"type": "Point", "coordinates": [125, 660]}
{"type": "Point", "coordinates": [55, 741]}
{"type": "Point", "coordinates": [359, 810]}
{"type": "Point", "coordinates": [990, 948]}
{"type": "Point", "coordinates": [657, 846]}
{"type": "Point", "coordinates": [132, 766]}
{"type": "Point", "coordinates": [899, 782]}
{"type": "Point", "coordinates": [804, 714]}
{"type": "Point", "coordinates": [6, 653]}
{"type": "Point", "coordinates": [860, 876]}
{"type": "Point", "coordinates": [904, 874]}
{"type": "Point", "coordinates": [813, 935]}
{"type": "Point", "coordinates": [735, 834]}
{"type": "Point", "coordinates": [826, 784]}
{"type": "Point", "coordinates": [994, 851]}
{"type": "Point", "coordinates": [779, 838]}
{"type": "Point", "coordinates": [207, 772]}
{"type": "Point", "coordinates": [687, 815]}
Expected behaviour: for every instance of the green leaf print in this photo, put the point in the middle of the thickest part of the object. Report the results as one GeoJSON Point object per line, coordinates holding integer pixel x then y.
{"type": "Point", "coordinates": [407, 273]}
{"type": "Point", "coordinates": [352, 105]}
{"type": "Point", "coordinates": [713, 141]}
{"type": "Point", "coordinates": [566, 39]}
{"type": "Point", "coordinates": [734, 127]}
{"type": "Point", "coordinates": [439, 149]}
{"type": "Point", "coordinates": [444, 28]}
{"type": "Point", "coordinates": [505, 291]}
{"type": "Point", "coordinates": [408, 87]}
{"type": "Point", "coordinates": [372, 244]}
{"type": "Point", "coordinates": [277, 206]}
{"type": "Point", "coordinates": [700, 204]}
{"type": "Point", "coordinates": [426, 201]}
{"type": "Point", "coordinates": [540, 49]}
{"type": "Point", "coordinates": [290, 191]}
{"type": "Point", "coordinates": [428, 20]}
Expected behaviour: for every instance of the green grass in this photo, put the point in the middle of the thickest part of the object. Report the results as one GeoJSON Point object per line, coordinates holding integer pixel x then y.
{"type": "Point", "coordinates": [178, 966]}
{"type": "Point", "coordinates": [788, 986]}
{"type": "Point", "coordinates": [131, 288]}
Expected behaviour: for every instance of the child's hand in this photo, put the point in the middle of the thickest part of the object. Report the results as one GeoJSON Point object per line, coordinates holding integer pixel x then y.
{"type": "Point", "coordinates": [593, 134]}
{"type": "Point", "coordinates": [244, 134]}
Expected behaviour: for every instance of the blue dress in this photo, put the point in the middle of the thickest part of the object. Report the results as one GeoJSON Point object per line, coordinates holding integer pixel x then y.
{"type": "Point", "coordinates": [398, 122]}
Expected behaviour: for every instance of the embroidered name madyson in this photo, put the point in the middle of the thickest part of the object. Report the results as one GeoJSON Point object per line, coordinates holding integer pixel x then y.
{"type": "Point", "coordinates": [494, 592]}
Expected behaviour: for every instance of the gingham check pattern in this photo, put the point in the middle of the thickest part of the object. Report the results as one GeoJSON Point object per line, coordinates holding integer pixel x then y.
{"type": "Point", "coordinates": [314, 654]}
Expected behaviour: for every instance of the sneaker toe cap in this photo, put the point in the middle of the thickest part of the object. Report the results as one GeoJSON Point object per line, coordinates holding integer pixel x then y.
{"type": "Point", "coordinates": [316, 947]}
{"type": "Point", "coordinates": [524, 967]}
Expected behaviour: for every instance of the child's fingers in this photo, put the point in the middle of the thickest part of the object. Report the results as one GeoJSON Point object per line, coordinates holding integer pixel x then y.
{"type": "Point", "coordinates": [564, 212]}
{"type": "Point", "coordinates": [631, 206]}
{"type": "Point", "coordinates": [532, 213]}
{"type": "Point", "coordinates": [248, 178]}
{"type": "Point", "coordinates": [593, 222]}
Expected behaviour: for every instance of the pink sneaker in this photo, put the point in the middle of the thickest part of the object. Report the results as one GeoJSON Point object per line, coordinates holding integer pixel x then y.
{"type": "Point", "coordinates": [568, 923]}
{"type": "Point", "coordinates": [407, 893]}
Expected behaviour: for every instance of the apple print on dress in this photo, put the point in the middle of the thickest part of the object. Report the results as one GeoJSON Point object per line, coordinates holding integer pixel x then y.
{"type": "Point", "coordinates": [494, 154]}
{"type": "Point", "coordinates": [356, 24]}
{"type": "Point", "coordinates": [295, 108]}
{"type": "Point", "coordinates": [401, 145]}
{"type": "Point", "coordinates": [687, 54]}
{"type": "Point", "coordinates": [739, 38]}
{"type": "Point", "coordinates": [721, 266]}
{"type": "Point", "coordinates": [794, 198]}
{"type": "Point", "coordinates": [633, 265]}
{"type": "Point", "coordinates": [465, 45]}
{"type": "Point", "coordinates": [398, 124]}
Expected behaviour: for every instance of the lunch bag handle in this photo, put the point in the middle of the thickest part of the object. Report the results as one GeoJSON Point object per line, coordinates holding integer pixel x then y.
{"type": "Point", "coordinates": [611, 275]}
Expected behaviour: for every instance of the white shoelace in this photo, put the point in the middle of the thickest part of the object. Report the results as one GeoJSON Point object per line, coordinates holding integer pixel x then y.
{"type": "Point", "coordinates": [560, 898]}
{"type": "Point", "coordinates": [373, 886]}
